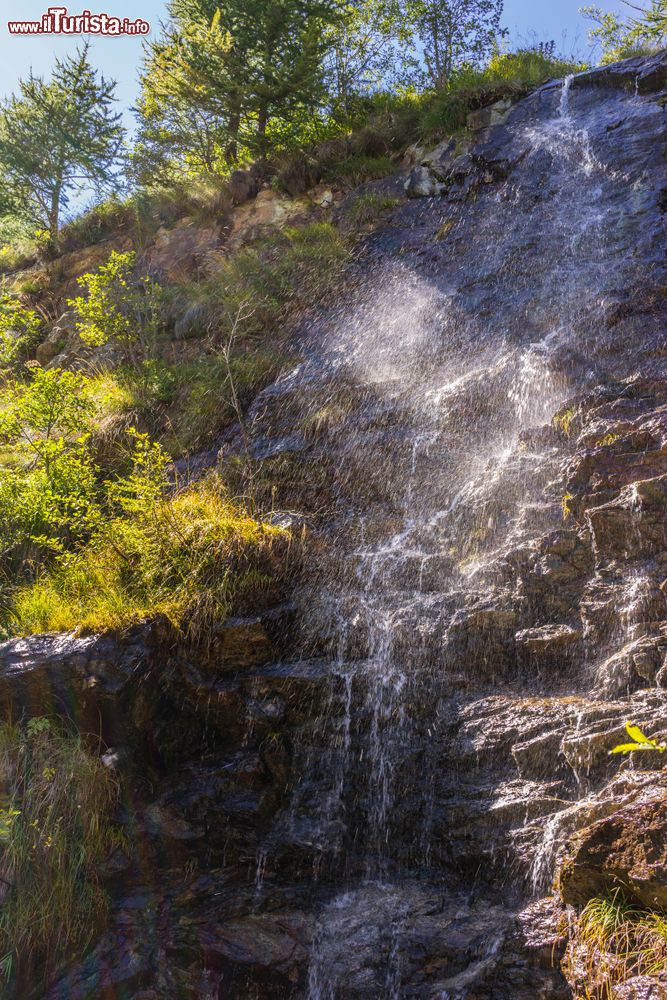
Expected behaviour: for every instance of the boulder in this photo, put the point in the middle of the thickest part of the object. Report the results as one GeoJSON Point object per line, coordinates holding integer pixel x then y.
{"type": "Point", "coordinates": [63, 334]}
{"type": "Point", "coordinates": [639, 74]}
{"type": "Point", "coordinates": [633, 525]}
{"type": "Point", "coordinates": [240, 643]}
{"type": "Point", "coordinates": [627, 851]}
{"type": "Point", "coordinates": [421, 183]}
{"type": "Point", "coordinates": [439, 160]}
{"type": "Point", "coordinates": [546, 639]}
{"type": "Point", "coordinates": [178, 252]}
{"type": "Point", "coordinates": [493, 114]}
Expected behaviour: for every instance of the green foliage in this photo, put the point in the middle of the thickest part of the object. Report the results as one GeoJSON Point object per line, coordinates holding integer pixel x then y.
{"type": "Point", "coordinates": [639, 742]}
{"type": "Point", "coordinates": [55, 135]}
{"type": "Point", "coordinates": [48, 493]}
{"type": "Point", "coordinates": [566, 505]}
{"type": "Point", "coordinates": [564, 420]}
{"type": "Point", "coordinates": [55, 828]}
{"type": "Point", "coordinates": [118, 307]}
{"type": "Point", "coordinates": [363, 54]}
{"type": "Point", "coordinates": [227, 79]}
{"type": "Point", "coordinates": [507, 74]}
{"type": "Point", "coordinates": [204, 403]}
{"type": "Point", "coordinates": [370, 207]}
{"type": "Point", "coordinates": [186, 125]}
{"type": "Point", "coordinates": [43, 410]}
{"type": "Point", "coordinates": [607, 440]}
{"type": "Point", "coordinates": [620, 39]}
{"type": "Point", "coordinates": [20, 331]}
{"type": "Point", "coordinates": [192, 557]}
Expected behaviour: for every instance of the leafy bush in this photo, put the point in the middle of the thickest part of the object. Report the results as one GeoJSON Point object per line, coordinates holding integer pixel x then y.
{"type": "Point", "coordinates": [118, 307]}
{"type": "Point", "coordinates": [48, 493]}
{"type": "Point", "coordinates": [55, 828]}
{"type": "Point", "coordinates": [20, 331]}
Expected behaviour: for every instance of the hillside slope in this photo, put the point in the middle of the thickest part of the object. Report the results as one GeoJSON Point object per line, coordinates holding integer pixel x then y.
{"type": "Point", "coordinates": [365, 784]}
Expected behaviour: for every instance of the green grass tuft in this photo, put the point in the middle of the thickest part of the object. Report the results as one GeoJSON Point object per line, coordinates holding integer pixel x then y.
{"type": "Point", "coordinates": [186, 557]}
{"type": "Point", "coordinates": [368, 208]}
{"type": "Point", "coordinates": [611, 941]}
{"type": "Point", "coordinates": [55, 828]}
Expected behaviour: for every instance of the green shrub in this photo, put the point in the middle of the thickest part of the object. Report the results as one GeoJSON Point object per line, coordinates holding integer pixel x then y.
{"type": "Point", "coordinates": [56, 826]}
{"type": "Point", "coordinates": [184, 404]}
{"type": "Point", "coordinates": [254, 289]}
{"type": "Point", "coordinates": [48, 491]}
{"type": "Point", "coordinates": [204, 402]}
{"type": "Point", "coordinates": [117, 307]}
{"type": "Point", "coordinates": [20, 331]}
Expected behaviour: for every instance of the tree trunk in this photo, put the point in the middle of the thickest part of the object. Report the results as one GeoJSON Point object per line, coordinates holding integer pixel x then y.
{"type": "Point", "coordinates": [232, 146]}
{"type": "Point", "coordinates": [437, 65]}
{"type": "Point", "coordinates": [54, 215]}
{"type": "Point", "coordinates": [262, 121]}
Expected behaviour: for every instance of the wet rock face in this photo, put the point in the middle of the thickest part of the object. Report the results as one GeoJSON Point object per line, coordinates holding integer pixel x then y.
{"type": "Point", "coordinates": [627, 851]}
{"type": "Point", "coordinates": [87, 680]}
{"type": "Point", "coordinates": [367, 793]}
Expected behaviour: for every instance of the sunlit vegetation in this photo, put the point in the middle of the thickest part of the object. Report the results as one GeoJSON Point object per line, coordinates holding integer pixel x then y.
{"type": "Point", "coordinates": [507, 74]}
{"type": "Point", "coordinates": [103, 550]}
{"type": "Point", "coordinates": [118, 307]}
{"type": "Point", "coordinates": [638, 742]}
{"type": "Point", "coordinates": [611, 941]}
{"type": "Point", "coordinates": [622, 37]}
{"type": "Point", "coordinates": [192, 558]}
{"type": "Point", "coordinates": [21, 329]}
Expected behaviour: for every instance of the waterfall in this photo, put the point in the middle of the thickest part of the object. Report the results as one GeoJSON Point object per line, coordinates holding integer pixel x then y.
{"type": "Point", "coordinates": [456, 364]}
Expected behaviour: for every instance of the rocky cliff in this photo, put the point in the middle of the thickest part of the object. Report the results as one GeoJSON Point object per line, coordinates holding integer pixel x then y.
{"type": "Point", "coordinates": [368, 792]}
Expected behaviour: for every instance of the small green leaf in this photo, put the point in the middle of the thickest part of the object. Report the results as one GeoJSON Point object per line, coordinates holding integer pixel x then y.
{"type": "Point", "coordinates": [629, 747]}
{"type": "Point", "coordinates": [635, 733]}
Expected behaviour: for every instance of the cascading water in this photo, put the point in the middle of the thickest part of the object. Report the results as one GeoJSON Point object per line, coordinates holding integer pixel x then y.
{"type": "Point", "coordinates": [443, 466]}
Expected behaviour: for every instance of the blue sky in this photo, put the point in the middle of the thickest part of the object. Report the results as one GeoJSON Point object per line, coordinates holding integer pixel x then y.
{"type": "Point", "coordinates": [527, 20]}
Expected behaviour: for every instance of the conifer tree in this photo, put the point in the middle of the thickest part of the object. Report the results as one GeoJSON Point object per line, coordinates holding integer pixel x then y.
{"type": "Point", "coordinates": [57, 135]}
{"type": "Point", "coordinates": [247, 66]}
